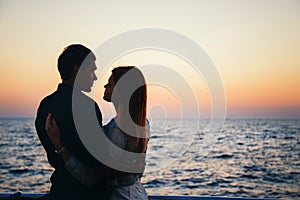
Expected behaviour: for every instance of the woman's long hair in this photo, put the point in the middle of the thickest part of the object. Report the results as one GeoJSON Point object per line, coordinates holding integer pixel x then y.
{"type": "Point", "coordinates": [137, 104]}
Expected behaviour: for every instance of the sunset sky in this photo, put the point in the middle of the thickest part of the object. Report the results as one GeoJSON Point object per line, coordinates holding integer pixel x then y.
{"type": "Point", "coordinates": [255, 45]}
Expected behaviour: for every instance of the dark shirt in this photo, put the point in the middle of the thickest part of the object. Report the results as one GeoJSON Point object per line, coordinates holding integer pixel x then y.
{"type": "Point", "coordinates": [59, 103]}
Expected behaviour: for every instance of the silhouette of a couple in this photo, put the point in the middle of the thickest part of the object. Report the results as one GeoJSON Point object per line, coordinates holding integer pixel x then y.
{"type": "Point", "coordinates": [78, 174]}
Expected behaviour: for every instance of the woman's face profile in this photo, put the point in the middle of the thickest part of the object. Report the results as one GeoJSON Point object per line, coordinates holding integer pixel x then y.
{"type": "Point", "coordinates": [109, 87]}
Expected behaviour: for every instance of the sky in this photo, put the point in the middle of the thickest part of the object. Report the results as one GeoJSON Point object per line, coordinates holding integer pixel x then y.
{"type": "Point", "coordinates": [254, 45]}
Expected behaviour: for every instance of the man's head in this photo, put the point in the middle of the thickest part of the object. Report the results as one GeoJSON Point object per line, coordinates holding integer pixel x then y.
{"type": "Point", "coordinates": [77, 62]}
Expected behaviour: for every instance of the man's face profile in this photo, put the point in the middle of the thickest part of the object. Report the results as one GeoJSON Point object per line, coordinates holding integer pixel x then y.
{"type": "Point", "coordinates": [86, 76]}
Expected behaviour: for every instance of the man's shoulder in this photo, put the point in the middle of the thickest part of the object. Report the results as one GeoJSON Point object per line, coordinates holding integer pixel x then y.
{"type": "Point", "coordinates": [46, 99]}
{"type": "Point", "coordinates": [61, 94]}
{"type": "Point", "coordinates": [57, 99]}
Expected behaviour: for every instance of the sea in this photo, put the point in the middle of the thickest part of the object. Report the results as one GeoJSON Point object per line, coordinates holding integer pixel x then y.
{"type": "Point", "coordinates": [255, 158]}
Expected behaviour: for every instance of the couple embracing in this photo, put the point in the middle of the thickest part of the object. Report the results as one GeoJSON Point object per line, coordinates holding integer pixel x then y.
{"type": "Point", "coordinates": [78, 174]}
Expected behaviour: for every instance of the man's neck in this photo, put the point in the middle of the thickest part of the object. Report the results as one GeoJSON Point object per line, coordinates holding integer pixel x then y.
{"type": "Point", "coordinates": [68, 82]}
{"type": "Point", "coordinates": [71, 83]}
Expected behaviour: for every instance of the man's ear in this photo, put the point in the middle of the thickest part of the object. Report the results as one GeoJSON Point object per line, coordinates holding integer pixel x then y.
{"type": "Point", "coordinates": [75, 69]}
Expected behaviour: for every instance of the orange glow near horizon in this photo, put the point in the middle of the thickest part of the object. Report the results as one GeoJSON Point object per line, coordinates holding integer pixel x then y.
{"type": "Point", "coordinates": [21, 97]}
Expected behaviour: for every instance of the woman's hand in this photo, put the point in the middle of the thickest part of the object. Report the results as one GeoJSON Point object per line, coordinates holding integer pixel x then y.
{"type": "Point", "coordinates": [53, 132]}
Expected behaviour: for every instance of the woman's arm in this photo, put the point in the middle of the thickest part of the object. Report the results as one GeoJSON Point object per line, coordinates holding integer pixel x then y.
{"type": "Point", "coordinates": [83, 173]}
{"type": "Point", "coordinates": [54, 135]}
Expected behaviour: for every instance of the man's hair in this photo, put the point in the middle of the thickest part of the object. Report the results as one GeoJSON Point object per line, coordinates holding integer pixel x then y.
{"type": "Point", "coordinates": [72, 55]}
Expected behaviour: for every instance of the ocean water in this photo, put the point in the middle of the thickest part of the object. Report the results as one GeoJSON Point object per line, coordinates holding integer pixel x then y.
{"type": "Point", "coordinates": [246, 158]}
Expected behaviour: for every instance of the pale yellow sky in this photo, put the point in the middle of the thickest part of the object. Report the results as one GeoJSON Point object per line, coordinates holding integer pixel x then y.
{"type": "Point", "coordinates": [255, 45]}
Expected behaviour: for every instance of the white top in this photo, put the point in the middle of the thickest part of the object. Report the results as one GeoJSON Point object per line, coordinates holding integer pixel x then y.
{"type": "Point", "coordinates": [86, 175]}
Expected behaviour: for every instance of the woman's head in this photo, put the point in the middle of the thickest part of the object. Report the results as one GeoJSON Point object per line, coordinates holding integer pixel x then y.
{"type": "Point", "coordinates": [126, 87]}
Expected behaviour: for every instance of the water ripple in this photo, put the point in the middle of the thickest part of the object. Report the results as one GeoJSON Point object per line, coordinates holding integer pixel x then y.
{"type": "Point", "coordinates": [252, 158]}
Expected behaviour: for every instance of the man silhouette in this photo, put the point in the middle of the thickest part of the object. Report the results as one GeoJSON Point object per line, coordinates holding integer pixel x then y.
{"type": "Point", "coordinates": [76, 63]}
